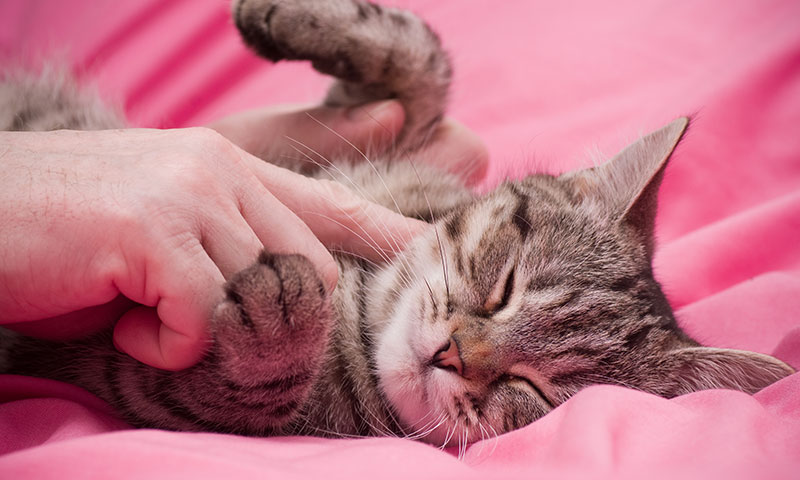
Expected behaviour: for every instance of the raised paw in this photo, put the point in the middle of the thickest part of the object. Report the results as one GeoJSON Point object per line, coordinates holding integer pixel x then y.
{"type": "Point", "coordinates": [274, 320]}
{"type": "Point", "coordinates": [297, 30]}
{"type": "Point", "coordinates": [343, 38]}
{"type": "Point", "coordinates": [377, 52]}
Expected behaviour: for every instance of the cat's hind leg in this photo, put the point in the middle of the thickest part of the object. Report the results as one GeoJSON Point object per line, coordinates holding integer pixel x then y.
{"type": "Point", "coordinates": [376, 53]}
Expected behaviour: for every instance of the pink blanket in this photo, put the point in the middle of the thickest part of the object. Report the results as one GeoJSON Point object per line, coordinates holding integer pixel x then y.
{"type": "Point", "coordinates": [544, 83]}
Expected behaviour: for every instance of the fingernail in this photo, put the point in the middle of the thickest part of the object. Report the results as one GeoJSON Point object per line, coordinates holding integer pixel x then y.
{"type": "Point", "coordinates": [330, 277]}
{"type": "Point", "coordinates": [371, 111]}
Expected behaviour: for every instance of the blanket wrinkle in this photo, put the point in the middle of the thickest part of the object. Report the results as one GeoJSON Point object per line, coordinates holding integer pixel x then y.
{"type": "Point", "coordinates": [542, 83]}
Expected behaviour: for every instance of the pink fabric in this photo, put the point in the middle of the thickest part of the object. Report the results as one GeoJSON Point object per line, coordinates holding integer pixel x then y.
{"type": "Point", "coordinates": [542, 83]}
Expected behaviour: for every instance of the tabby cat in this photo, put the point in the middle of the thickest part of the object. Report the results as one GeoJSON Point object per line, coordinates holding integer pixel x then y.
{"type": "Point", "coordinates": [514, 302]}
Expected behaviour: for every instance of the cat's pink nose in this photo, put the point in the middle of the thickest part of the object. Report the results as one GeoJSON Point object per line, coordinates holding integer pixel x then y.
{"type": "Point", "coordinates": [448, 358]}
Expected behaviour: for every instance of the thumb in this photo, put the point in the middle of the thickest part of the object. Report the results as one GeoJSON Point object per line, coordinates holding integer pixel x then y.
{"type": "Point", "coordinates": [316, 132]}
{"type": "Point", "coordinates": [141, 334]}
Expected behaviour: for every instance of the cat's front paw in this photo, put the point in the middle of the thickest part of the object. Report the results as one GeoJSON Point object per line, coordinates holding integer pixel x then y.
{"type": "Point", "coordinates": [274, 321]}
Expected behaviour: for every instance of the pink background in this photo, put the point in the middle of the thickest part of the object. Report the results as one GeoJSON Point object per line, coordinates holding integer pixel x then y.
{"type": "Point", "coordinates": [545, 84]}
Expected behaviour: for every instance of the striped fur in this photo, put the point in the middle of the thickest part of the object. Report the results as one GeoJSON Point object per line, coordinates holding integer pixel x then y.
{"type": "Point", "coordinates": [515, 301]}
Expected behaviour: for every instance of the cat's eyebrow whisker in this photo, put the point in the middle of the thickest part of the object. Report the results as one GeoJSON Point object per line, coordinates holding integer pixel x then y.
{"type": "Point", "coordinates": [369, 162]}
{"type": "Point", "coordinates": [364, 156]}
{"type": "Point", "coordinates": [390, 240]}
{"type": "Point", "coordinates": [369, 243]}
{"type": "Point", "coordinates": [381, 231]}
{"type": "Point", "coordinates": [520, 217]}
{"type": "Point", "coordinates": [430, 290]}
{"type": "Point", "coordinates": [354, 185]}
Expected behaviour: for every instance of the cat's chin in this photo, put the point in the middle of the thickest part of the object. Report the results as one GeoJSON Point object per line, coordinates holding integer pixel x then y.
{"type": "Point", "coordinates": [403, 366]}
{"type": "Point", "coordinates": [424, 405]}
{"type": "Point", "coordinates": [420, 394]}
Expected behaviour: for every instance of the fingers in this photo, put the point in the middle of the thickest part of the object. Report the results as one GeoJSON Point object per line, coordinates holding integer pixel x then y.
{"type": "Point", "coordinates": [458, 150]}
{"type": "Point", "coordinates": [281, 230]}
{"type": "Point", "coordinates": [337, 216]}
{"type": "Point", "coordinates": [278, 131]}
{"type": "Point", "coordinates": [343, 220]}
{"type": "Point", "coordinates": [174, 335]}
{"type": "Point", "coordinates": [141, 333]}
{"type": "Point", "coordinates": [231, 242]}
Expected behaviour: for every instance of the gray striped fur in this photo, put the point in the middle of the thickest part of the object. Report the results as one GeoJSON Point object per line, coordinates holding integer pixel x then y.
{"type": "Point", "coordinates": [542, 287]}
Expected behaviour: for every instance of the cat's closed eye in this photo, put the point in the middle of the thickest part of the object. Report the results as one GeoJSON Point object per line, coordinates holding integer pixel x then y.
{"type": "Point", "coordinates": [501, 294]}
{"type": "Point", "coordinates": [526, 384]}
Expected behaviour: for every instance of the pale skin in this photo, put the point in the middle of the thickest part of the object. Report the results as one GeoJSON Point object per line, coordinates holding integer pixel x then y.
{"type": "Point", "coordinates": [143, 227]}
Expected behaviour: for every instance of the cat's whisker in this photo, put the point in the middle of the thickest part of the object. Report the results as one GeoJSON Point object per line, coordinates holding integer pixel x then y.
{"type": "Point", "coordinates": [334, 434]}
{"type": "Point", "coordinates": [435, 229]}
{"type": "Point", "coordinates": [385, 430]}
{"type": "Point", "coordinates": [496, 438]}
{"type": "Point", "coordinates": [390, 240]}
{"type": "Point", "coordinates": [463, 442]}
{"type": "Point", "coordinates": [484, 436]}
{"type": "Point", "coordinates": [362, 258]}
{"type": "Point", "coordinates": [418, 432]}
{"type": "Point", "coordinates": [393, 247]}
{"type": "Point", "coordinates": [374, 248]}
{"type": "Point", "coordinates": [366, 158]}
{"type": "Point", "coordinates": [429, 428]}
{"type": "Point", "coordinates": [450, 432]}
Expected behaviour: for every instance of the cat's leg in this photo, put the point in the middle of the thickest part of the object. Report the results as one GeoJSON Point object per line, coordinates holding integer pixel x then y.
{"type": "Point", "coordinates": [376, 52]}
{"type": "Point", "coordinates": [270, 335]}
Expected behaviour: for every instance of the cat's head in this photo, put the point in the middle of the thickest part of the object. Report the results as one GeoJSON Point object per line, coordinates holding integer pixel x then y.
{"type": "Point", "coordinates": [525, 296]}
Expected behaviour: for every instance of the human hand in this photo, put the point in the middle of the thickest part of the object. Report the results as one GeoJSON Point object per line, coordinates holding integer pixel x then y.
{"type": "Point", "coordinates": [95, 216]}
{"type": "Point", "coordinates": [369, 129]}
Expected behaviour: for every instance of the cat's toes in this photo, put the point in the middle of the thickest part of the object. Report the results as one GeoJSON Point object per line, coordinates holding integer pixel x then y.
{"type": "Point", "coordinates": [281, 30]}
{"type": "Point", "coordinates": [277, 292]}
{"type": "Point", "coordinates": [318, 30]}
{"type": "Point", "coordinates": [254, 19]}
{"type": "Point", "coordinates": [270, 334]}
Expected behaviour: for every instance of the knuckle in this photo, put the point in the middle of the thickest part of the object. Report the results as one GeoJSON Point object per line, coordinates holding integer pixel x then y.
{"type": "Point", "coordinates": [342, 202]}
{"type": "Point", "coordinates": [210, 148]}
{"type": "Point", "coordinates": [338, 194]}
{"type": "Point", "coordinates": [207, 138]}
{"type": "Point", "coordinates": [203, 163]}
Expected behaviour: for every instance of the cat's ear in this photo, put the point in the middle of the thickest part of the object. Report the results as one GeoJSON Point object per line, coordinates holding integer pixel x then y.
{"type": "Point", "coordinates": [699, 368]}
{"type": "Point", "coordinates": [626, 187]}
